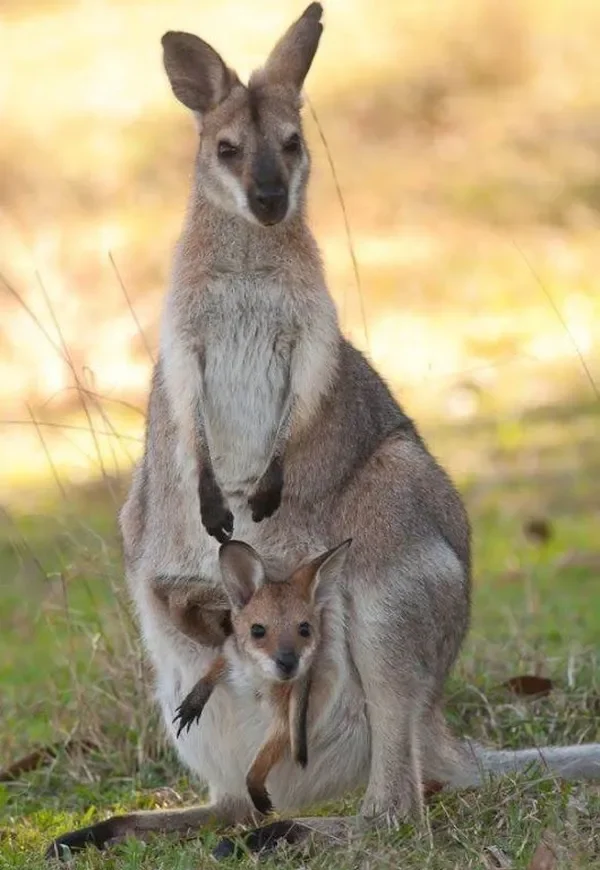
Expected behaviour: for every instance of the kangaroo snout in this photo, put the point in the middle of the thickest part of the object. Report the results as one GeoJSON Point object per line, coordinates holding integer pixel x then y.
{"type": "Point", "coordinates": [287, 663]}
{"type": "Point", "coordinates": [268, 202]}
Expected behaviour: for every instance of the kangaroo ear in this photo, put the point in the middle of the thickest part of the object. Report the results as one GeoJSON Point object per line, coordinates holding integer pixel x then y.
{"type": "Point", "coordinates": [290, 60]}
{"type": "Point", "coordinates": [198, 77]}
{"type": "Point", "coordinates": [242, 572]}
{"type": "Point", "coordinates": [321, 571]}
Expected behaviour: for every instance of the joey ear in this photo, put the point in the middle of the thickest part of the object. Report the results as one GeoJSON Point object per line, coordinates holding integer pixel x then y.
{"type": "Point", "coordinates": [291, 58]}
{"type": "Point", "coordinates": [321, 571]}
{"type": "Point", "coordinates": [197, 74]}
{"type": "Point", "coordinates": [242, 572]}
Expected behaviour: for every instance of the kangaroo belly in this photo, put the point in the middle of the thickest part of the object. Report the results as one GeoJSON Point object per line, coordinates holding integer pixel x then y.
{"type": "Point", "coordinates": [246, 373]}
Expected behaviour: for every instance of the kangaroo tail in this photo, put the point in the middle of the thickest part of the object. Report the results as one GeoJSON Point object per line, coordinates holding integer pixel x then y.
{"type": "Point", "coordinates": [577, 762]}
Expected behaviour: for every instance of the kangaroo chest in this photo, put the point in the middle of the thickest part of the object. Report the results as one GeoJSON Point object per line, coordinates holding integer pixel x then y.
{"type": "Point", "coordinates": [247, 346]}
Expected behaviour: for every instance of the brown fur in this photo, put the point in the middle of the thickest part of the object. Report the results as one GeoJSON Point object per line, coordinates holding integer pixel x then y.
{"type": "Point", "coordinates": [289, 613]}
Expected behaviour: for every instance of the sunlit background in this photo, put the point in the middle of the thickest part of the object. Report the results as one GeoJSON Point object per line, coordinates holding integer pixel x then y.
{"type": "Point", "coordinates": [456, 160]}
{"type": "Point", "coordinates": [465, 135]}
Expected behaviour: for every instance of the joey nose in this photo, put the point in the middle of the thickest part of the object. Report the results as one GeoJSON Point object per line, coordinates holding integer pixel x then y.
{"type": "Point", "coordinates": [268, 202]}
{"type": "Point", "coordinates": [287, 663]}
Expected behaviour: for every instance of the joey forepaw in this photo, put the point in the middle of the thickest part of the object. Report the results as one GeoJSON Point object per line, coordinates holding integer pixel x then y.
{"type": "Point", "coordinates": [186, 714]}
{"type": "Point", "coordinates": [190, 709]}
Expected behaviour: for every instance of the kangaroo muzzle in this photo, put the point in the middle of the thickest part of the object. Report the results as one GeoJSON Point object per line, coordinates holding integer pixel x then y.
{"type": "Point", "coordinates": [286, 662]}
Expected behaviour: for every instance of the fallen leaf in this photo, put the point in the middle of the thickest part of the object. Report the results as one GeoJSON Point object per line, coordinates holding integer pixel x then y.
{"type": "Point", "coordinates": [543, 858]}
{"type": "Point", "coordinates": [496, 858]}
{"type": "Point", "coordinates": [538, 529]}
{"type": "Point", "coordinates": [431, 787]}
{"type": "Point", "coordinates": [529, 684]}
{"type": "Point", "coordinates": [41, 756]}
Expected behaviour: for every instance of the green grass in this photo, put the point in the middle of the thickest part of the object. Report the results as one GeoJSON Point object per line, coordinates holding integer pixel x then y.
{"type": "Point", "coordinates": [71, 665]}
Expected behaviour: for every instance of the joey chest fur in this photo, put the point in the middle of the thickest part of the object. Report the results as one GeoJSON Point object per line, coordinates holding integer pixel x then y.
{"type": "Point", "coordinates": [245, 369]}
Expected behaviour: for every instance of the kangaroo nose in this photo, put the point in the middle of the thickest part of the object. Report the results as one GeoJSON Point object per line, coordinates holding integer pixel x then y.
{"type": "Point", "coordinates": [269, 196]}
{"type": "Point", "coordinates": [287, 663]}
{"type": "Point", "coordinates": [269, 202]}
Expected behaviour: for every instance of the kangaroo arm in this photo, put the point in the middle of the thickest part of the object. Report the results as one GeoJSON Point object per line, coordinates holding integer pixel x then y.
{"type": "Point", "coordinates": [183, 372]}
{"type": "Point", "coordinates": [266, 495]}
{"type": "Point", "coordinates": [298, 716]}
{"type": "Point", "coordinates": [217, 519]}
{"type": "Point", "coordinates": [192, 706]}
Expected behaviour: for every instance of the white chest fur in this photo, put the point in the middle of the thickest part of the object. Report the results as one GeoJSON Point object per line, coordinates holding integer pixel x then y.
{"type": "Point", "coordinates": [248, 335]}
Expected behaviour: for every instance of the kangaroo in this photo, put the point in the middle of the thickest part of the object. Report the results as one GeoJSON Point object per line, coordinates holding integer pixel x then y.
{"type": "Point", "coordinates": [257, 399]}
{"type": "Point", "coordinates": [274, 641]}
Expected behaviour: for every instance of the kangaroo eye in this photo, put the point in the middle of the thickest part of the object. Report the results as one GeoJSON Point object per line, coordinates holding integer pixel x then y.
{"type": "Point", "coordinates": [258, 630]}
{"type": "Point", "coordinates": [292, 145]}
{"type": "Point", "coordinates": [227, 150]}
{"type": "Point", "coordinates": [304, 629]}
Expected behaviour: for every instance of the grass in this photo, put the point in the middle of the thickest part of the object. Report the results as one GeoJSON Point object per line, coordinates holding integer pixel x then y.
{"type": "Point", "coordinates": [71, 664]}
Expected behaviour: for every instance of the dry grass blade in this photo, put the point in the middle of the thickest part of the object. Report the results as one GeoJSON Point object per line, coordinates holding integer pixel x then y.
{"type": "Point", "coordinates": [131, 308]}
{"type": "Point", "coordinates": [17, 296]}
{"type": "Point", "coordinates": [564, 323]}
{"type": "Point", "coordinates": [66, 353]}
{"type": "Point", "coordinates": [47, 454]}
{"type": "Point", "coordinates": [72, 428]}
{"type": "Point", "coordinates": [346, 221]}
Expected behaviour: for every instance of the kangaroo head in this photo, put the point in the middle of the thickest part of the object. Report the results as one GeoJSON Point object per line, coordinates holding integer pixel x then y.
{"type": "Point", "coordinates": [277, 624]}
{"type": "Point", "coordinates": [252, 158]}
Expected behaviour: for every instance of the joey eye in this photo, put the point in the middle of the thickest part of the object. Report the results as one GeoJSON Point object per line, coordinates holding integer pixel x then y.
{"type": "Point", "coordinates": [257, 630]}
{"type": "Point", "coordinates": [293, 144]}
{"type": "Point", "coordinates": [304, 629]}
{"type": "Point", "coordinates": [227, 150]}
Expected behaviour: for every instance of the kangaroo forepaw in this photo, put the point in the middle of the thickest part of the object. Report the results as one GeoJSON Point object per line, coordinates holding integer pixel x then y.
{"type": "Point", "coordinates": [266, 497]}
{"type": "Point", "coordinates": [264, 504]}
{"type": "Point", "coordinates": [216, 517]}
{"type": "Point", "coordinates": [219, 526]}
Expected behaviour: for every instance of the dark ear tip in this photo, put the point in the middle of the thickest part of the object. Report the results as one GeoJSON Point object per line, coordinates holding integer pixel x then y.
{"type": "Point", "coordinates": [224, 547]}
{"type": "Point", "coordinates": [172, 37]}
{"type": "Point", "coordinates": [232, 544]}
{"type": "Point", "coordinates": [314, 11]}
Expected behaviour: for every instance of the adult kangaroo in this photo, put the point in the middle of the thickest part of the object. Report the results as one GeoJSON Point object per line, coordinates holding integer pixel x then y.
{"type": "Point", "coordinates": [263, 419]}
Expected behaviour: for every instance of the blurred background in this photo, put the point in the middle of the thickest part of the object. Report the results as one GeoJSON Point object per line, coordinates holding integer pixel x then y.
{"type": "Point", "coordinates": [466, 139]}
{"type": "Point", "coordinates": [465, 136]}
